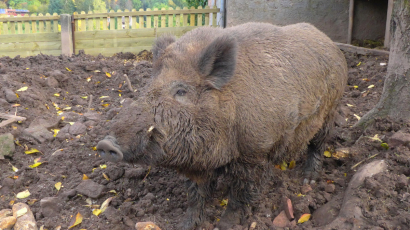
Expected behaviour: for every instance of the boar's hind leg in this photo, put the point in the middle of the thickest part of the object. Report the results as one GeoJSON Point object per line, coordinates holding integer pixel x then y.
{"type": "Point", "coordinates": [197, 196]}
{"type": "Point", "coordinates": [315, 151]}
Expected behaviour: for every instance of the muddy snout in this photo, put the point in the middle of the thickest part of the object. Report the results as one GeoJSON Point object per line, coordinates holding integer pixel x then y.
{"type": "Point", "coordinates": [108, 150]}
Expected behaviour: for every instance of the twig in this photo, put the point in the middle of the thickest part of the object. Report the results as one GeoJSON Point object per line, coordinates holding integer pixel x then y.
{"type": "Point", "coordinates": [89, 102]}
{"type": "Point", "coordinates": [10, 119]}
{"type": "Point", "coordinates": [128, 83]}
{"type": "Point", "coordinates": [354, 166]}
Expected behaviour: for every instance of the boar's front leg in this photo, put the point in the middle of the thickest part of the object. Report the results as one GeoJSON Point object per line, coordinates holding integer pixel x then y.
{"type": "Point", "coordinates": [198, 193]}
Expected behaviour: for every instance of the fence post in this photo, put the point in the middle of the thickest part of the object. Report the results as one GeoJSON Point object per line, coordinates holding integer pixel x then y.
{"type": "Point", "coordinates": [66, 35]}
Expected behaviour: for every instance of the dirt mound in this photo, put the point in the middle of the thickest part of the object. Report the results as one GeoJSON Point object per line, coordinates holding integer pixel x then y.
{"type": "Point", "coordinates": [79, 95]}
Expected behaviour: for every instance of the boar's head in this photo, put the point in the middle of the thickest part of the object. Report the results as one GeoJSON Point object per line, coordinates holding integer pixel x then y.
{"type": "Point", "coordinates": [185, 118]}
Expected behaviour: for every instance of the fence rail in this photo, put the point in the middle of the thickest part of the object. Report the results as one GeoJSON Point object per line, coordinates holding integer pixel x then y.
{"type": "Point", "coordinates": [106, 33]}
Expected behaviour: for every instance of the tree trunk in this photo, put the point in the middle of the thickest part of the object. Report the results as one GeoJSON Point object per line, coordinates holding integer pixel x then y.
{"type": "Point", "coordinates": [395, 99]}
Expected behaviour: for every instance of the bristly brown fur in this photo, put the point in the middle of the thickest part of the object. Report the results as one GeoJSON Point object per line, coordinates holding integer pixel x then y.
{"type": "Point", "coordinates": [231, 100]}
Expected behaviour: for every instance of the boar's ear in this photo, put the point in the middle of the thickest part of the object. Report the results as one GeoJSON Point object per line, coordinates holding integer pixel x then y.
{"type": "Point", "coordinates": [217, 61]}
{"type": "Point", "coordinates": [161, 44]}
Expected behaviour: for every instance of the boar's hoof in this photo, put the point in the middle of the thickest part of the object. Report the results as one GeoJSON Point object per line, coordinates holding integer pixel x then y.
{"type": "Point", "coordinates": [108, 151]}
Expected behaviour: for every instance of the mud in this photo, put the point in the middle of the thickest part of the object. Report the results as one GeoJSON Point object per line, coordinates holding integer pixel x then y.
{"type": "Point", "coordinates": [144, 193]}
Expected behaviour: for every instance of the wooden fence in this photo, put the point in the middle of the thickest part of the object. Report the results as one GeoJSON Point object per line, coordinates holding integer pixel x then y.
{"type": "Point", "coordinates": [30, 35]}
{"type": "Point", "coordinates": [98, 33]}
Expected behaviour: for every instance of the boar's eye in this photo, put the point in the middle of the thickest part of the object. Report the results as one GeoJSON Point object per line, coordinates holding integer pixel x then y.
{"type": "Point", "coordinates": [181, 92]}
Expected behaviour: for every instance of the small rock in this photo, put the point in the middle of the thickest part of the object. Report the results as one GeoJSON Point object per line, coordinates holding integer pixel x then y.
{"type": "Point", "coordinates": [48, 123]}
{"type": "Point", "coordinates": [399, 138]}
{"type": "Point", "coordinates": [281, 221]}
{"type": "Point", "coordinates": [11, 97]}
{"type": "Point", "coordinates": [402, 182]}
{"type": "Point", "coordinates": [93, 116]}
{"type": "Point", "coordinates": [288, 207]}
{"type": "Point", "coordinates": [50, 206]}
{"type": "Point", "coordinates": [52, 82]}
{"type": "Point", "coordinates": [90, 189]}
{"type": "Point", "coordinates": [305, 189]}
{"type": "Point", "coordinates": [7, 222]}
{"type": "Point", "coordinates": [330, 188]}
{"type": "Point", "coordinates": [77, 128]}
{"type": "Point", "coordinates": [39, 133]}
{"type": "Point", "coordinates": [112, 215]}
{"type": "Point", "coordinates": [135, 173]}
{"type": "Point", "coordinates": [327, 196]}
{"type": "Point", "coordinates": [68, 194]}
{"type": "Point", "coordinates": [146, 226]}
{"type": "Point", "coordinates": [5, 213]}
{"type": "Point", "coordinates": [3, 103]}
{"type": "Point", "coordinates": [61, 135]}
{"type": "Point", "coordinates": [26, 221]}
{"type": "Point", "coordinates": [6, 145]}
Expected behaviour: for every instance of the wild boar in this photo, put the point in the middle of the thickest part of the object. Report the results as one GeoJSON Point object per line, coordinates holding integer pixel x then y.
{"type": "Point", "coordinates": [230, 102]}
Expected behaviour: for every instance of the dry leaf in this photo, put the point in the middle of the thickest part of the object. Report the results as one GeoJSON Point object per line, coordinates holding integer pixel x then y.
{"type": "Point", "coordinates": [105, 204]}
{"type": "Point", "coordinates": [67, 108]}
{"type": "Point", "coordinates": [97, 212]}
{"type": "Point", "coordinates": [105, 105]}
{"type": "Point", "coordinates": [108, 74]}
{"type": "Point", "coordinates": [349, 105]}
{"type": "Point", "coordinates": [104, 96]}
{"type": "Point", "coordinates": [89, 78]}
{"type": "Point", "coordinates": [21, 212]}
{"type": "Point", "coordinates": [103, 166]}
{"type": "Point", "coordinates": [376, 138]}
{"type": "Point", "coordinates": [85, 177]}
{"type": "Point", "coordinates": [384, 145]}
{"type": "Point", "coordinates": [224, 202]}
{"type": "Point", "coordinates": [359, 63]}
{"type": "Point", "coordinates": [22, 195]}
{"type": "Point", "coordinates": [55, 132]}
{"type": "Point", "coordinates": [14, 168]}
{"type": "Point", "coordinates": [67, 69]}
{"type": "Point", "coordinates": [304, 218]}
{"type": "Point", "coordinates": [283, 166]}
{"type": "Point", "coordinates": [113, 191]}
{"type": "Point", "coordinates": [78, 220]}
{"type": "Point", "coordinates": [327, 154]}
{"type": "Point", "coordinates": [15, 105]}
{"type": "Point", "coordinates": [292, 164]}
{"type": "Point", "coordinates": [57, 94]}
{"type": "Point", "coordinates": [58, 186]}
{"type": "Point", "coordinates": [37, 159]}
{"type": "Point", "coordinates": [106, 177]}
{"type": "Point", "coordinates": [370, 86]}
{"type": "Point", "coordinates": [23, 88]}
{"type": "Point", "coordinates": [32, 150]}
{"type": "Point", "coordinates": [84, 97]}
{"type": "Point", "coordinates": [355, 86]}
{"type": "Point", "coordinates": [356, 116]}
{"type": "Point", "coordinates": [35, 165]}
{"type": "Point", "coordinates": [32, 201]}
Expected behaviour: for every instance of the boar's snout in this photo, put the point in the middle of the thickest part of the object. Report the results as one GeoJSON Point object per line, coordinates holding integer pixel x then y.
{"type": "Point", "coordinates": [108, 150]}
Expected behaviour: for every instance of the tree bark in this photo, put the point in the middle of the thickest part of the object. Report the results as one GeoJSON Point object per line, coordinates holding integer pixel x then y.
{"type": "Point", "coordinates": [395, 99]}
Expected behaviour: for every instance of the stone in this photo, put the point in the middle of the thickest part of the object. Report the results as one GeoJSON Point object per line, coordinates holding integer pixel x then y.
{"type": "Point", "coordinates": [288, 208]}
{"type": "Point", "coordinates": [305, 189]}
{"type": "Point", "coordinates": [77, 128]}
{"type": "Point", "coordinates": [281, 221]}
{"type": "Point", "coordinates": [7, 147]}
{"type": "Point", "coordinates": [3, 103]}
{"type": "Point", "coordinates": [52, 82]}
{"type": "Point", "coordinates": [7, 222]}
{"type": "Point", "coordinates": [48, 123]}
{"type": "Point", "coordinates": [112, 215]}
{"type": "Point", "coordinates": [330, 188]}
{"type": "Point", "coordinates": [26, 221]}
{"type": "Point", "coordinates": [402, 181]}
{"type": "Point", "coordinates": [92, 116]}
{"type": "Point", "coordinates": [90, 188]}
{"type": "Point", "coordinates": [50, 206]}
{"type": "Point", "coordinates": [39, 133]}
{"type": "Point", "coordinates": [146, 226]}
{"type": "Point", "coordinates": [399, 138]}
{"type": "Point", "coordinates": [11, 97]}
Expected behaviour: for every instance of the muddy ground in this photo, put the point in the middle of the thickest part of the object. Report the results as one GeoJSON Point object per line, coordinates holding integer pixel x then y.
{"type": "Point", "coordinates": [156, 194]}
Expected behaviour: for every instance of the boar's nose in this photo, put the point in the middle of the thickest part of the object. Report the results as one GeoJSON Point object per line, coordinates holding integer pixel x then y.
{"type": "Point", "coordinates": [108, 151]}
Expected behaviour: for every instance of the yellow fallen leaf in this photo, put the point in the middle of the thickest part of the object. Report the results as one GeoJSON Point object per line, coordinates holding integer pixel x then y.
{"type": "Point", "coordinates": [57, 94]}
{"type": "Point", "coordinates": [384, 145]}
{"type": "Point", "coordinates": [58, 186]}
{"type": "Point", "coordinates": [108, 74]}
{"type": "Point", "coordinates": [67, 69]}
{"type": "Point", "coordinates": [85, 177]}
{"type": "Point", "coordinates": [119, 95]}
{"type": "Point", "coordinates": [35, 165]}
{"type": "Point", "coordinates": [21, 212]}
{"type": "Point", "coordinates": [32, 201]}
{"type": "Point", "coordinates": [327, 154]}
{"type": "Point", "coordinates": [304, 218]}
{"type": "Point", "coordinates": [67, 108]}
{"type": "Point", "coordinates": [23, 88]}
{"type": "Point", "coordinates": [103, 166]}
{"type": "Point", "coordinates": [283, 166]}
{"type": "Point", "coordinates": [93, 169]}
{"type": "Point", "coordinates": [89, 78]}
{"type": "Point", "coordinates": [17, 95]}
{"type": "Point", "coordinates": [84, 97]}
{"type": "Point", "coordinates": [59, 112]}
{"type": "Point", "coordinates": [12, 202]}
{"type": "Point", "coordinates": [113, 191]}
{"type": "Point", "coordinates": [97, 212]}
{"type": "Point", "coordinates": [300, 194]}
{"type": "Point", "coordinates": [22, 195]}
{"type": "Point", "coordinates": [292, 164]}
{"type": "Point", "coordinates": [97, 71]}
{"type": "Point", "coordinates": [78, 220]}
{"type": "Point", "coordinates": [370, 86]}
{"type": "Point", "coordinates": [356, 116]}
{"type": "Point", "coordinates": [104, 96]}
{"type": "Point", "coordinates": [14, 168]}
{"type": "Point", "coordinates": [105, 204]}
{"type": "Point", "coordinates": [55, 132]}
{"type": "Point", "coordinates": [37, 159]}
{"type": "Point", "coordinates": [105, 105]}
{"type": "Point", "coordinates": [224, 202]}
{"type": "Point", "coordinates": [62, 118]}
{"type": "Point", "coordinates": [355, 86]}
{"type": "Point", "coordinates": [106, 177]}
{"type": "Point", "coordinates": [15, 105]}
{"type": "Point", "coordinates": [349, 105]}
{"type": "Point", "coordinates": [32, 150]}
{"type": "Point", "coordinates": [359, 63]}
{"type": "Point", "coordinates": [376, 138]}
